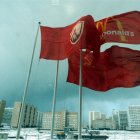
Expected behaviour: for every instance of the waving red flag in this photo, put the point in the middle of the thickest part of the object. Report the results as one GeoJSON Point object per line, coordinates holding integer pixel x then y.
{"type": "Point", "coordinates": [59, 43]}
{"type": "Point", "coordinates": [117, 67]}
{"type": "Point", "coordinates": [123, 28]}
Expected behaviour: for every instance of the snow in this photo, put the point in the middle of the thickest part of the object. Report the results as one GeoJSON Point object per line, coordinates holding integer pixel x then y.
{"type": "Point", "coordinates": [34, 134]}
{"type": "Point", "coordinates": [122, 135]}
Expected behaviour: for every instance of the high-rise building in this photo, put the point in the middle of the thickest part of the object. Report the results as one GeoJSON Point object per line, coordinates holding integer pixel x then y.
{"type": "Point", "coordinates": [115, 119]}
{"type": "Point", "coordinates": [7, 116]}
{"type": "Point", "coordinates": [29, 115]}
{"type": "Point", "coordinates": [134, 117]}
{"type": "Point", "coordinates": [72, 120]}
{"type": "Point", "coordinates": [93, 115]}
{"type": "Point", "coordinates": [123, 120]}
{"type": "Point", "coordinates": [59, 120]}
{"type": "Point", "coordinates": [109, 123]}
{"type": "Point", "coordinates": [39, 119]}
{"type": "Point", "coordinates": [103, 116]}
{"type": "Point", "coordinates": [62, 119]}
{"type": "Point", "coordinates": [102, 123]}
{"type": "Point", "coordinates": [98, 124]}
{"type": "Point", "coordinates": [2, 107]}
{"type": "Point", "coordinates": [15, 114]}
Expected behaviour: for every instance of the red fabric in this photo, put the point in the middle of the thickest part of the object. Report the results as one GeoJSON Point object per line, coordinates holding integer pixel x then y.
{"type": "Point", "coordinates": [123, 28]}
{"type": "Point", "coordinates": [117, 67]}
{"type": "Point", "coordinates": [59, 43]}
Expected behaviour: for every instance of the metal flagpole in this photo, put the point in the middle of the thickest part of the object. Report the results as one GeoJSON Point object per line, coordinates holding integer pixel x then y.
{"type": "Point", "coordinates": [80, 96]}
{"type": "Point", "coordinates": [54, 99]}
{"type": "Point", "coordinates": [26, 87]}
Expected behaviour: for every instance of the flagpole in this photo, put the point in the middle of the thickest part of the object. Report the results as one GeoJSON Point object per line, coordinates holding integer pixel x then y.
{"type": "Point", "coordinates": [26, 87]}
{"type": "Point", "coordinates": [54, 99]}
{"type": "Point", "coordinates": [80, 96]}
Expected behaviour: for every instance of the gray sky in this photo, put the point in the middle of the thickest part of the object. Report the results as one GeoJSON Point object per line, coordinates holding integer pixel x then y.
{"type": "Point", "coordinates": [18, 26]}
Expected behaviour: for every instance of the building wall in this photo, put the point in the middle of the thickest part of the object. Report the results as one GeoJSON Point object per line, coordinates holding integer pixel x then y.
{"type": "Point", "coordinates": [123, 120]}
{"type": "Point", "coordinates": [62, 119]}
{"type": "Point", "coordinates": [72, 120]}
{"type": "Point", "coordinates": [134, 117]}
{"type": "Point", "coordinates": [59, 123]}
{"type": "Point", "coordinates": [29, 113]}
{"type": "Point", "coordinates": [26, 118]}
{"type": "Point", "coordinates": [32, 114]}
{"type": "Point", "coordinates": [15, 114]}
{"type": "Point", "coordinates": [103, 116]}
{"type": "Point", "coordinates": [39, 119]}
{"type": "Point", "coordinates": [93, 115]}
{"type": "Point", "coordinates": [90, 119]}
{"type": "Point", "coordinates": [35, 117]}
{"type": "Point", "coordinates": [109, 123]}
{"type": "Point", "coordinates": [7, 116]}
{"type": "Point", "coordinates": [46, 120]}
{"type": "Point", "coordinates": [98, 124]}
{"type": "Point", "coordinates": [102, 124]}
{"type": "Point", "coordinates": [2, 107]}
{"type": "Point", "coordinates": [115, 120]}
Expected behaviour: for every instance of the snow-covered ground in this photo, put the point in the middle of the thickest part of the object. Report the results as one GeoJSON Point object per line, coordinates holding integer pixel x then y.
{"type": "Point", "coordinates": [33, 134]}
{"type": "Point", "coordinates": [28, 134]}
{"type": "Point", "coordinates": [122, 135]}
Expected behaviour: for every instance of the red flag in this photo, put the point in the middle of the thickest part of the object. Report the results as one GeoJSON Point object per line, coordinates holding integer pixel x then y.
{"type": "Point", "coordinates": [117, 67]}
{"type": "Point", "coordinates": [123, 28]}
{"type": "Point", "coordinates": [59, 43]}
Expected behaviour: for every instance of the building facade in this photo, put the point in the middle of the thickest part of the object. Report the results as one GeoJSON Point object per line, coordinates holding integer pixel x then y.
{"type": "Point", "coordinates": [72, 120]}
{"type": "Point", "coordinates": [134, 117]}
{"type": "Point", "coordinates": [103, 116]}
{"type": "Point", "coordinates": [93, 115]}
{"type": "Point", "coordinates": [2, 107]}
{"type": "Point", "coordinates": [7, 116]}
{"type": "Point", "coordinates": [62, 119]}
{"type": "Point", "coordinates": [115, 119]}
{"type": "Point", "coordinates": [123, 120]}
{"type": "Point", "coordinates": [29, 115]}
{"type": "Point", "coordinates": [59, 120]}
{"type": "Point", "coordinates": [102, 124]}
{"type": "Point", "coordinates": [39, 119]}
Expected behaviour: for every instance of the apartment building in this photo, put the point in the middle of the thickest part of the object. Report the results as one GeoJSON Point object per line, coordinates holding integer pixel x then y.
{"type": "Point", "coordinates": [72, 120]}
{"type": "Point", "coordinates": [62, 119]}
{"type": "Point", "coordinates": [59, 120]}
{"type": "Point", "coordinates": [93, 115]}
{"type": "Point", "coordinates": [7, 116]}
{"type": "Point", "coordinates": [123, 120]}
{"type": "Point", "coordinates": [29, 115]}
{"type": "Point", "coordinates": [102, 124]}
{"type": "Point", "coordinates": [134, 117]}
{"type": "Point", "coordinates": [2, 107]}
{"type": "Point", "coordinates": [115, 119]}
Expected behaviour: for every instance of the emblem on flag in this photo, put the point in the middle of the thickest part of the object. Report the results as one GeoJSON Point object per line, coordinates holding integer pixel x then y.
{"type": "Point", "coordinates": [76, 32]}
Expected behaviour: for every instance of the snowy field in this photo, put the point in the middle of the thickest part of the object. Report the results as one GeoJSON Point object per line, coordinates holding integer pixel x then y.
{"type": "Point", "coordinates": [33, 134]}
{"type": "Point", "coordinates": [28, 134]}
{"type": "Point", "coordinates": [122, 135]}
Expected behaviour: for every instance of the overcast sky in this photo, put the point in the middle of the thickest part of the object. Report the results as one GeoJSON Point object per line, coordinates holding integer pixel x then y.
{"type": "Point", "coordinates": [18, 26]}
